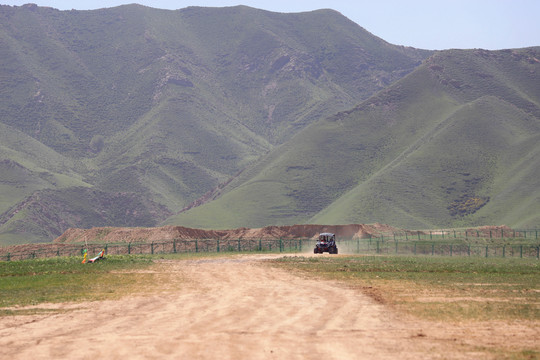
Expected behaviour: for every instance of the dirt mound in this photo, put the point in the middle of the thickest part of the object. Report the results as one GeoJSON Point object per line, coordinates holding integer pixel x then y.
{"type": "Point", "coordinates": [139, 234]}
{"type": "Point", "coordinates": [490, 231]}
{"type": "Point", "coordinates": [116, 235]}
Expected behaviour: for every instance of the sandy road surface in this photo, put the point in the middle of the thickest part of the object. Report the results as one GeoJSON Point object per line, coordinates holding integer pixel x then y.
{"type": "Point", "coordinates": [233, 308]}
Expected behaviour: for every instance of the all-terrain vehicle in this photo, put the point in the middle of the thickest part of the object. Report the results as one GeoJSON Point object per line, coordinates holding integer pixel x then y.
{"type": "Point", "coordinates": [326, 243]}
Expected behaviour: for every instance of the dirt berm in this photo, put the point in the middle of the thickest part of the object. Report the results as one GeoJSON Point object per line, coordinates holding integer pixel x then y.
{"type": "Point", "coordinates": [117, 234]}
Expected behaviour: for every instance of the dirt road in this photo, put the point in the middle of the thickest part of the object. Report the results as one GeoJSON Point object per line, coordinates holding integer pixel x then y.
{"type": "Point", "coordinates": [224, 308]}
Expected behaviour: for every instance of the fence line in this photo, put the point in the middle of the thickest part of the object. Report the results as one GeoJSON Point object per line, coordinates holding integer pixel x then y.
{"type": "Point", "coordinates": [441, 243]}
{"type": "Point", "coordinates": [438, 249]}
{"type": "Point", "coordinates": [162, 247]}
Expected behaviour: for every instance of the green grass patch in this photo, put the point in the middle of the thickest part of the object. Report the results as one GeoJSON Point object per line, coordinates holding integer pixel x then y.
{"type": "Point", "coordinates": [31, 282]}
{"type": "Point", "coordinates": [27, 283]}
{"type": "Point", "coordinates": [443, 288]}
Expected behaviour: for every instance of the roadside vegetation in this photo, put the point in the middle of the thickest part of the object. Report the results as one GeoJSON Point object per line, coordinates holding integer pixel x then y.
{"type": "Point", "coordinates": [26, 284]}
{"type": "Point", "coordinates": [443, 288]}
{"type": "Point", "coordinates": [466, 294]}
{"type": "Point", "coordinates": [30, 282]}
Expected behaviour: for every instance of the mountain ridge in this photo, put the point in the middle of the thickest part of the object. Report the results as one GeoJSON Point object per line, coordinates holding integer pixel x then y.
{"type": "Point", "coordinates": [231, 117]}
{"type": "Point", "coordinates": [171, 104]}
{"type": "Point", "coordinates": [411, 115]}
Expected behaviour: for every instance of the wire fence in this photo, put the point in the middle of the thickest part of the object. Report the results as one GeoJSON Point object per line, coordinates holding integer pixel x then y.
{"type": "Point", "coordinates": [463, 234]}
{"type": "Point", "coordinates": [484, 243]}
{"type": "Point", "coordinates": [440, 249]}
{"type": "Point", "coordinates": [160, 247]}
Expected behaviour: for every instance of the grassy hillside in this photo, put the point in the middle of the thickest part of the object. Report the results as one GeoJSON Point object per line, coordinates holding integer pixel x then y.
{"type": "Point", "coordinates": [48, 213]}
{"type": "Point", "coordinates": [26, 165]}
{"type": "Point", "coordinates": [170, 104]}
{"type": "Point", "coordinates": [454, 143]}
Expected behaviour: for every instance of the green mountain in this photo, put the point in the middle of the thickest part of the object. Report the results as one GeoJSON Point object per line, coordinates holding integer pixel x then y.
{"type": "Point", "coordinates": [454, 143]}
{"type": "Point", "coordinates": [164, 106]}
{"type": "Point", "coordinates": [48, 213]}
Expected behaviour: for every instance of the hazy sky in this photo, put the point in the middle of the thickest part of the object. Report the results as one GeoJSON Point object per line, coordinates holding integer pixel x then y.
{"type": "Point", "coordinates": [426, 24]}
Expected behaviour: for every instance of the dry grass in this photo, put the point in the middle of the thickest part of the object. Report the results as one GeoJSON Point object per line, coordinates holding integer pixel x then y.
{"type": "Point", "coordinates": [487, 305]}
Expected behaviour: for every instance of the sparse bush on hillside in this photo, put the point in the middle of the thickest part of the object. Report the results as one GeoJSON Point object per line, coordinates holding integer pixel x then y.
{"type": "Point", "coordinates": [467, 205]}
{"type": "Point", "coordinates": [97, 143]}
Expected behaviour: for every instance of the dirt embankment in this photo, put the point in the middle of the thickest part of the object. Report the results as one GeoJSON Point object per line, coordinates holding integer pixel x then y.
{"type": "Point", "coordinates": [111, 235]}
{"type": "Point", "coordinates": [115, 235]}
